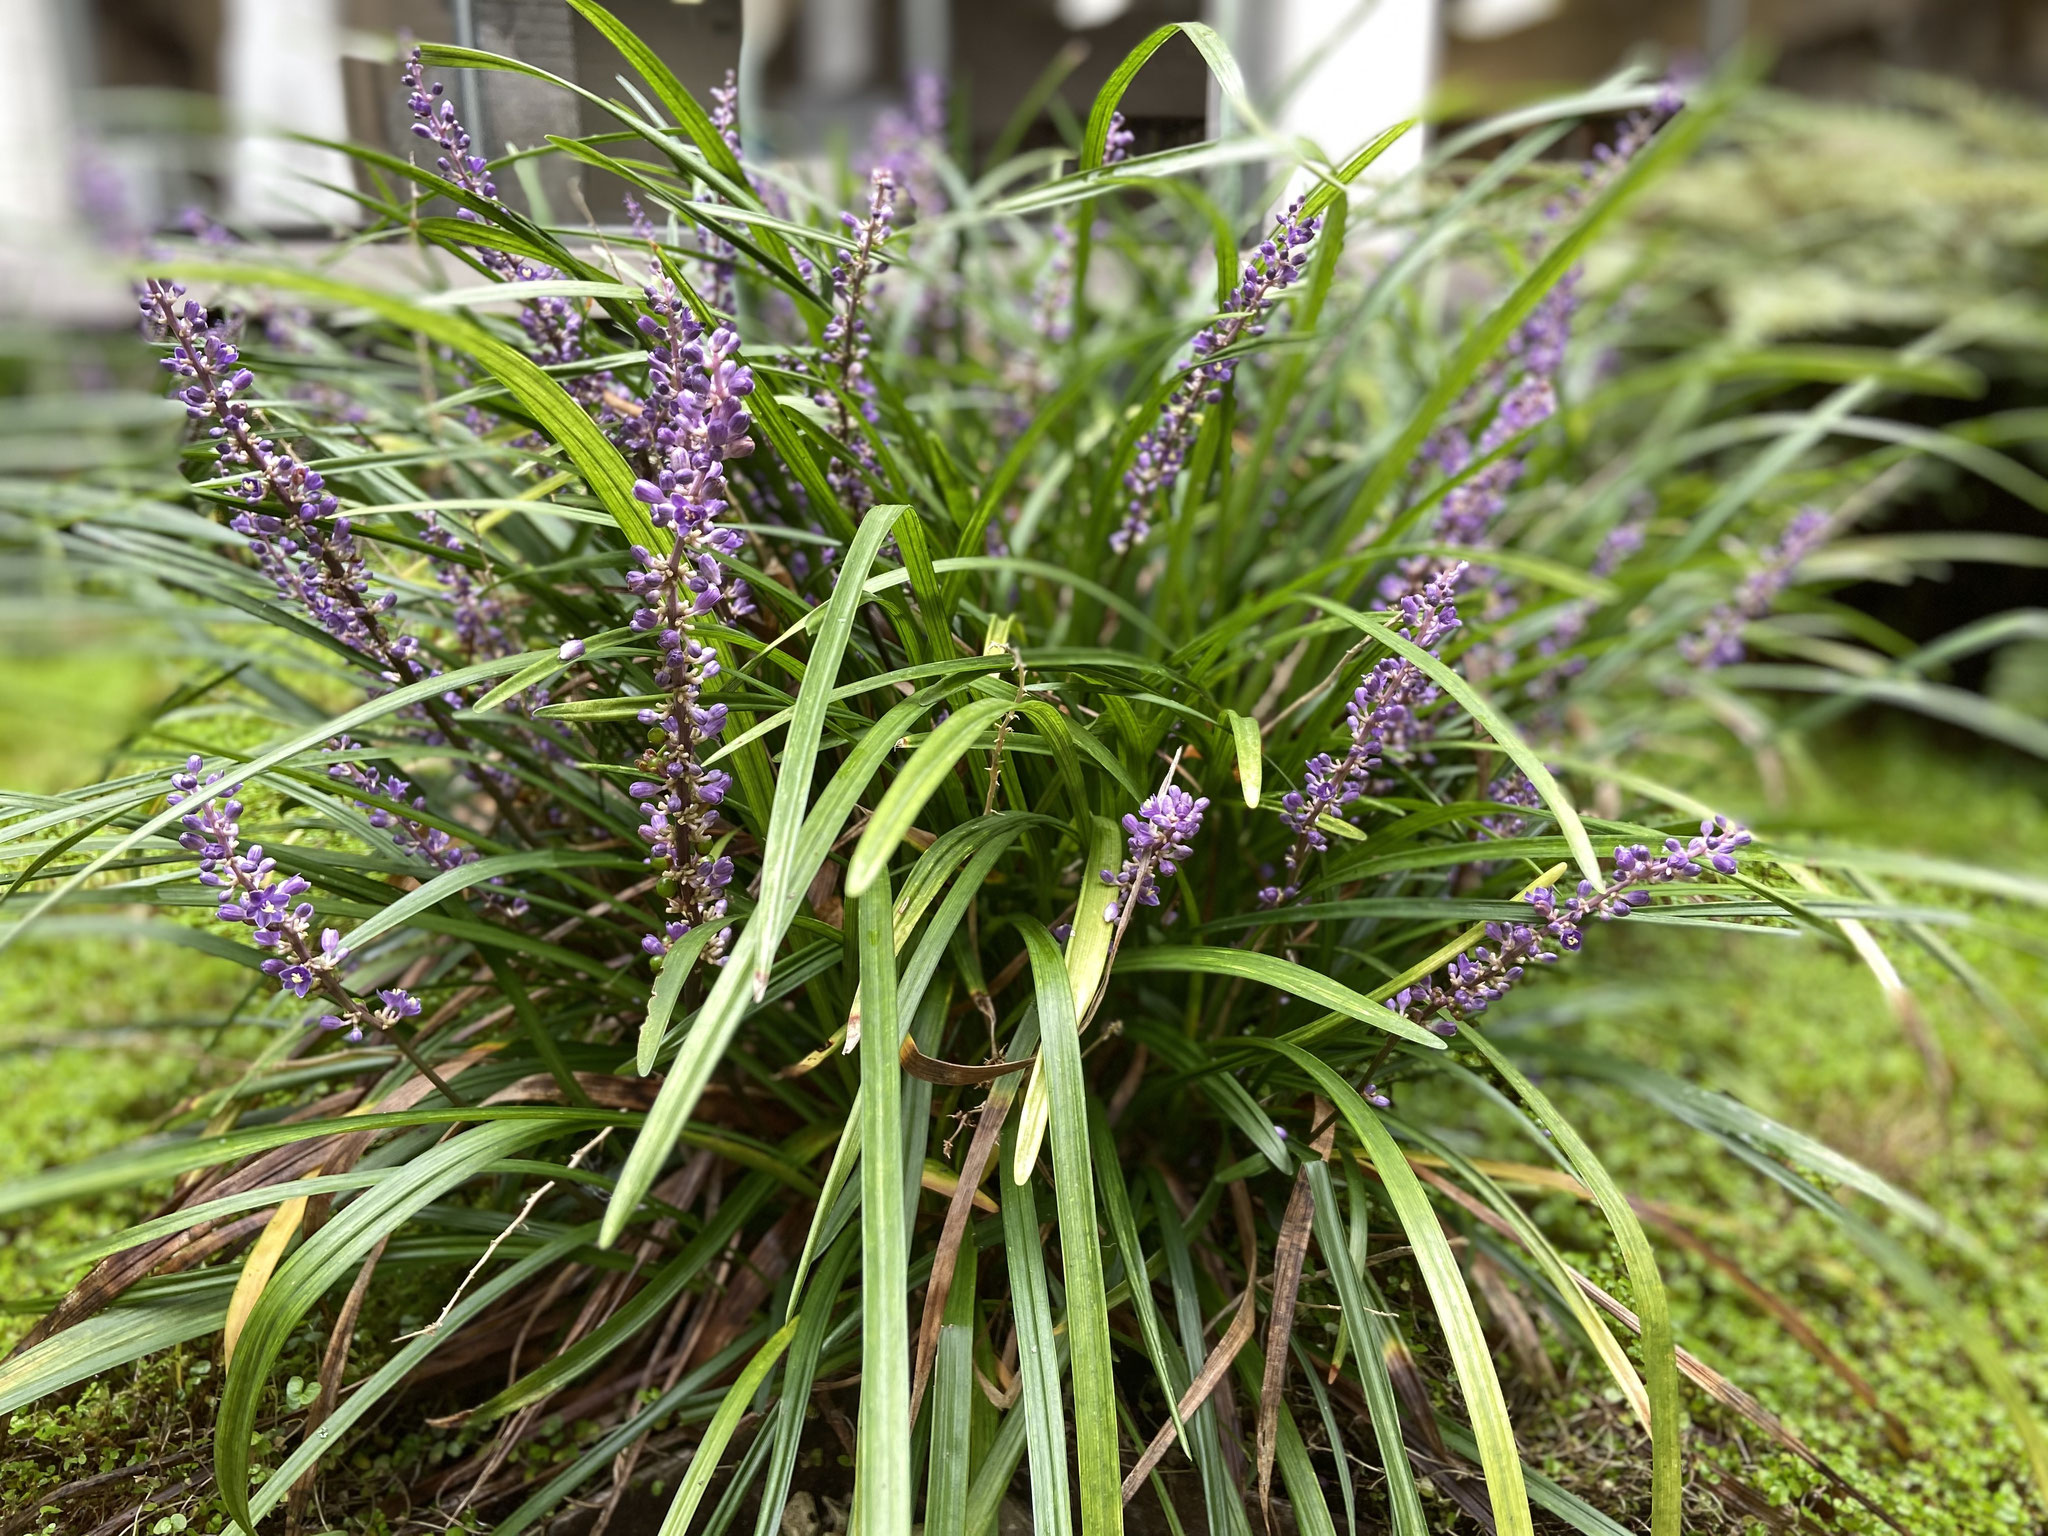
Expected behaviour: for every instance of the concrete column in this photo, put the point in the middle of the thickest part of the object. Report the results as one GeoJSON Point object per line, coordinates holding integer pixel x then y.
{"type": "Point", "coordinates": [927, 28]}
{"type": "Point", "coordinates": [35, 122]}
{"type": "Point", "coordinates": [1341, 70]}
{"type": "Point", "coordinates": [281, 73]}
{"type": "Point", "coordinates": [837, 47]}
{"type": "Point", "coordinates": [517, 109]}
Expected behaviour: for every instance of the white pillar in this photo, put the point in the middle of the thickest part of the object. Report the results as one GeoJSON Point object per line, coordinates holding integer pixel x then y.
{"type": "Point", "coordinates": [927, 28]}
{"type": "Point", "coordinates": [1343, 70]}
{"type": "Point", "coordinates": [837, 47]}
{"type": "Point", "coordinates": [281, 73]}
{"type": "Point", "coordinates": [35, 122]}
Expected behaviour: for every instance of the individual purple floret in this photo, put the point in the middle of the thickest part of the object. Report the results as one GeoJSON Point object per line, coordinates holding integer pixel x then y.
{"type": "Point", "coordinates": [306, 547]}
{"type": "Point", "coordinates": [254, 895]}
{"type": "Point", "coordinates": [397, 1004]}
{"type": "Point", "coordinates": [1160, 836]}
{"type": "Point", "coordinates": [1162, 451]}
{"type": "Point", "coordinates": [696, 419]}
{"type": "Point", "coordinates": [844, 350]}
{"type": "Point", "coordinates": [553, 325]}
{"type": "Point", "coordinates": [1718, 642]}
{"type": "Point", "coordinates": [1484, 974]}
{"type": "Point", "coordinates": [1381, 720]}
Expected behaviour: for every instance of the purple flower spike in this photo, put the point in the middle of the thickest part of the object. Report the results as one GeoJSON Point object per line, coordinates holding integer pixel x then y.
{"type": "Point", "coordinates": [1382, 720]}
{"type": "Point", "coordinates": [255, 896]}
{"type": "Point", "coordinates": [1718, 642]}
{"type": "Point", "coordinates": [1519, 388]}
{"type": "Point", "coordinates": [293, 524]}
{"type": "Point", "coordinates": [1160, 836]}
{"type": "Point", "coordinates": [1117, 147]}
{"type": "Point", "coordinates": [696, 420]}
{"type": "Point", "coordinates": [851, 406]}
{"type": "Point", "coordinates": [1486, 972]}
{"type": "Point", "coordinates": [1162, 451]}
{"type": "Point", "coordinates": [553, 325]}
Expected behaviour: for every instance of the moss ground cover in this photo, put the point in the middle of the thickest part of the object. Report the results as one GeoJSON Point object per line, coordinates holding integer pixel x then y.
{"type": "Point", "coordinates": [1807, 1036]}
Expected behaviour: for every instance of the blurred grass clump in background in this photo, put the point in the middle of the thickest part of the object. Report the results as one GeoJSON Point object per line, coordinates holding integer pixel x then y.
{"type": "Point", "coordinates": [1042, 521]}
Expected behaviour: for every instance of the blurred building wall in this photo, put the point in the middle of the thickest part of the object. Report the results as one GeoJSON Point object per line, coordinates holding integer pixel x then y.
{"type": "Point", "coordinates": [281, 77]}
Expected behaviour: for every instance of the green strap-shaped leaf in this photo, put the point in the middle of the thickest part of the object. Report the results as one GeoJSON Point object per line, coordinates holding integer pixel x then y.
{"type": "Point", "coordinates": [299, 1283]}
{"type": "Point", "coordinates": [951, 1458]}
{"type": "Point", "coordinates": [1646, 1285]}
{"type": "Point", "coordinates": [670, 91]}
{"type": "Point", "coordinates": [1369, 1348]}
{"type": "Point", "coordinates": [1123, 1225]}
{"type": "Point", "coordinates": [231, 772]}
{"type": "Point", "coordinates": [1038, 1365]}
{"type": "Point", "coordinates": [691, 117]}
{"type": "Point", "coordinates": [718, 1434]}
{"type": "Point", "coordinates": [1251, 755]}
{"type": "Point", "coordinates": [807, 726]}
{"type": "Point", "coordinates": [668, 986]}
{"type": "Point", "coordinates": [103, 1342]}
{"type": "Point", "coordinates": [1087, 956]}
{"type": "Point", "coordinates": [918, 781]}
{"type": "Point", "coordinates": [1297, 1472]}
{"type": "Point", "coordinates": [454, 881]}
{"type": "Point", "coordinates": [881, 1477]}
{"type": "Point", "coordinates": [1463, 1338]}
{"type": "Point", "coordinates": [1281, 975]}
{"type": "Point", "coordinates": [1328, 193]}
{"type": "Point", "coordinates": [816, 1319]}
{"type": "Point", "coordinates": [1059, 1054]}
{"type": "Point", "coordinates": [141, 1164]}
{"type": "Point", "coordinates": [367, 1394]}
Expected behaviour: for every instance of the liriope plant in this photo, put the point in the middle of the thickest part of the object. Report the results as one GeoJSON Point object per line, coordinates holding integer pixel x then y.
{"type": "Point", "coordinates": [890, 779]}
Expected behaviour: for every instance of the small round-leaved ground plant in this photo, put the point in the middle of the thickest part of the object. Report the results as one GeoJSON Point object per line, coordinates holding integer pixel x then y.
{"type": "Point", "coordinates": [861, 873]}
